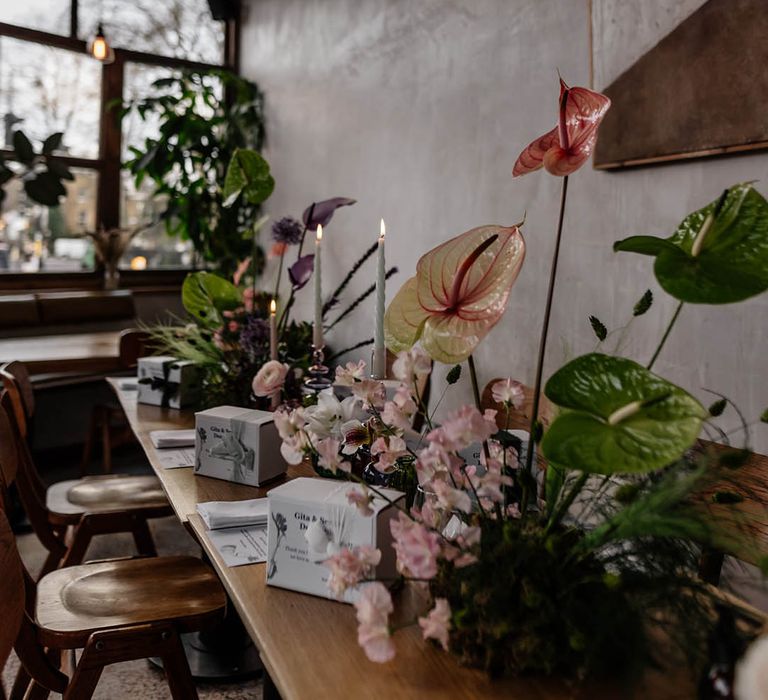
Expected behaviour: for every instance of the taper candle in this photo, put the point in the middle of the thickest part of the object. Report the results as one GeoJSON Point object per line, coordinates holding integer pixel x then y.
{"type": "Point", "coordinates": [317, 333]}
{"type": "Point", "coordinates": [273, 330]}
{"type": "Point", "coordinates": [379, 368]}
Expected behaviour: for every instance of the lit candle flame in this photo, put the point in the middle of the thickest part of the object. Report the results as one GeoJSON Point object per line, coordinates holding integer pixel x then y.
{"type": "Point", "coordinates": [273, 307]}
{"type": "Point", "coordinates": [383, 229]}
{"type": "Point", "coordinates": [319, 232]}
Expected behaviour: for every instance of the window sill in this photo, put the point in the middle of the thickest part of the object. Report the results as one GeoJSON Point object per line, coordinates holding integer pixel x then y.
{"type": "Point", "coordinates": [143, 281]}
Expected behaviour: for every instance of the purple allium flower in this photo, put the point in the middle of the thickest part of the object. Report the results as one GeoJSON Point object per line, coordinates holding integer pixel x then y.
{"type": "Point", "coordinates": [287, 230]}
{"type": "Point", "coordinates": [254, 335]}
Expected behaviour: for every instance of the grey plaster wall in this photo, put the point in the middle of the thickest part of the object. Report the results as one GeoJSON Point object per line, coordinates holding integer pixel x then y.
{"type": "Point", "coordinates": [419, 108]}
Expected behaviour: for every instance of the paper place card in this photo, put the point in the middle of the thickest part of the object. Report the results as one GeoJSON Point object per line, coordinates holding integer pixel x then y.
{"type": "Point", "coordinates": [240, 545]}
{"type": "Point", "coordinates": [172, 438]}
{"type": "Point", "coordinates": [174, 459]}
{"type": "Point", "coordinates": [223, 514]}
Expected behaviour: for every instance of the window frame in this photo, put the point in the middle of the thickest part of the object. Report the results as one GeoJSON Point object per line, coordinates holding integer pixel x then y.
{"type": "Point", "coordinates": [108, 164]}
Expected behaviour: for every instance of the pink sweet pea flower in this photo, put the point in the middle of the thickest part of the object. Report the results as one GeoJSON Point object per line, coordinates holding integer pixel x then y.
{"type": "Point", "coordinates": [568, 146]}
{"type": "Point", "coordinates": [361, 499]}
{"type": "Point", "coordinates": [437, 624]}
{"type": "Point", "coordinates": [373, 609]}
{"type": "Point", "coordinates": [349, 566]}
{"type": "Point", "coordinates": [508, 392]}
{"type": "Point", "coordinates": [371, 392]}
{"type": "Point", "coordinates": [417, 548]}
{"type": "Point", "coordinates": [464, 427]}
{"type": "Point", "coordinates": [349, 374]}
{"type": "Point", "coordinates": [329, 457]}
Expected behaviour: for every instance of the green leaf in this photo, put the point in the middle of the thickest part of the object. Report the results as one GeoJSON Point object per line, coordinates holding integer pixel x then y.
{"type": "Point", "coordinates": [52, 143]}
{"type": "Point", "coordinates": [5, 174]}
{"type": "Point", "coordinates": [644, 304]}
{"type": "Point", "coordinates": [45, 188]}
{"type": "Point", "coordinates": [597, 326]}
{"type": "Point", "coordinates": [717, 408]}
{"type": "Point", "coordinates": [620, 417]}
{"type": "Point", "coordinates": [554, 479]}
{"type": "Point", "coordinates": [764, 416]}
{"type": "Point", "coordinates": [644, 245]}
{"type": "Point", "coordinates": [247, 173]}
{"type": "Point", "coordinates": [59, 169]}
{"type": "Point", "coordinates": [730, 262]}
{"type": "Point", "coordinates": [206, 295]}
{"type": "Point", "coordinates": [23, 148]}
{"type": "Point", "coordinates": [453, 375]}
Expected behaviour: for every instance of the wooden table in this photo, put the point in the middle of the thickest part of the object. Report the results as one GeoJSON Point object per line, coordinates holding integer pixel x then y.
{"type": "Point", "coordinates": [308, 645]}
{"type": "Point", "coordinates": [86, 352]}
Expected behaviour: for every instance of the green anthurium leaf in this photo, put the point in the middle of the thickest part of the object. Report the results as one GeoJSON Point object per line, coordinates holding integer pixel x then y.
{"type": "Point", "coordinates": [59, 169]}
{"type": "Point", "coordinates": [619, 417]}
{"type": "Point", "coordinates": [645, 245]}
{"type": "Point", "coordinates": [728, 262]}
{"type": "Point", "coordinates": [247, 173]}
{"type": "Point", "coordinates": [23, 147]}
{"type": "Point", "coordinates": [206, 295]}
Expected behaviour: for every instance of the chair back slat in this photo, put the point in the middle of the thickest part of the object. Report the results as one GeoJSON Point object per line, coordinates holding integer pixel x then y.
{"type": "Point", "coordinates": [11, 386]}
{"type": "Point", "coordinates": [133, 345]}
{"type": "Point", "coordinates": [18, 468]}
{"type": "Point", "coordinates": [18, 370]}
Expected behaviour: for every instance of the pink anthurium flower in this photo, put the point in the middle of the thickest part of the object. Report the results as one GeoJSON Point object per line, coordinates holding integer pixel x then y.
{"type": "Point", "coordinates": [458, 294]}
{"type": "Point", "coordinates": [567, 147]}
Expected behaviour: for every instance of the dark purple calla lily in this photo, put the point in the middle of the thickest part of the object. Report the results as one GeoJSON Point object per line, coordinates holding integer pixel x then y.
{"type": "Point", "coordinates": [301, 271]}
{"type": "Point", "coordinates": [323, 211]}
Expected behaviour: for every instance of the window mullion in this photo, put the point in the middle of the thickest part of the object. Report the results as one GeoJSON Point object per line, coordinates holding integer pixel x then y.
{"type": "Point", "coordinates": [110, 143]}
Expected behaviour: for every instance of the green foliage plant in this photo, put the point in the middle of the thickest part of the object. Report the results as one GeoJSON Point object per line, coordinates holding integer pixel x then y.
{"type": "Point", "coordinates": [205, 119]}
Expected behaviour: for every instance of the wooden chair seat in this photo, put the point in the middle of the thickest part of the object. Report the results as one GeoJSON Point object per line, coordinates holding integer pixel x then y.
{"type": "Point", "coordinates": [68, 500]}
{"type": "Point", "coordinates": [73, 603]}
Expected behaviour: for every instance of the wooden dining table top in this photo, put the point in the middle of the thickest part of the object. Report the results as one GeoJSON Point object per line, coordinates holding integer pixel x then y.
{"type": "Point", "coordinates": [93, 352]}
{"type": "Point", "coordinates": [308, 644]}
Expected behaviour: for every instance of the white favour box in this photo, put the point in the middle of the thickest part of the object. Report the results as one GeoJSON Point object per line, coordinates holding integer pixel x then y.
{"type": "Point", "coordinates": [311, 519]}
{"type": "Point", "coordinates": [168, 382]}
{"type": "Point", "coordinates": [237, 444]}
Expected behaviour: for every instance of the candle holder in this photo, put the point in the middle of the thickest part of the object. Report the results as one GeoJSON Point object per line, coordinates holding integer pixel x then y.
{"type": "Point", "coordinates": [379, 364]}
{"type": "Point", "coordinates": [318, 373]}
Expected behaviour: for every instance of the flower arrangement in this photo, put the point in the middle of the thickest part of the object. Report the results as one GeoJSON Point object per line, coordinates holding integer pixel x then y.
{"type": "Point", "coordinates": [576, 567]}
{"type": "Point", "coordinates": [230, 334]}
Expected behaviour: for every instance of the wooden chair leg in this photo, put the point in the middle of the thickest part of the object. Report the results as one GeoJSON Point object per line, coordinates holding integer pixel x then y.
{"type": "Point", "coordinates": [106, 443]}
{"type": "Point", "coordinates": [142, 536]}
{"type": "Point", "coordinates": [90, 438]}
{"type": "Point", "coordinates": [177, 671]}
{"type": "Point", "coordinates": [20, 684]}
{"type": "Point", "coordinates": [83, 683]}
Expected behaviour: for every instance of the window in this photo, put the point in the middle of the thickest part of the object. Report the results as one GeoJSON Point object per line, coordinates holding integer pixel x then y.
{"type": "Point", "coordinates": [179, 28]}
{"type": "Point", "coordinates": [48, 83]}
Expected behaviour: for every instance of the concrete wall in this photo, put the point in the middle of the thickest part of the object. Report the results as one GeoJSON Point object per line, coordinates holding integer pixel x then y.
{"type": "Point", "coordinates": [419, 108]}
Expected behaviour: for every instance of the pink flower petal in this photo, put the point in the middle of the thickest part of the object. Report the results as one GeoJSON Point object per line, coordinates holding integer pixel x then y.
{"type": "Point", "coordinates": [532, 158]}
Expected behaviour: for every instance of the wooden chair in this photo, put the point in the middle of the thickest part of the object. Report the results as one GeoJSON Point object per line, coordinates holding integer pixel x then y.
{"type": "Point", "coordinates": [115, 611]}
{"type": "Point", "coordinates": [66, 516]}
{"type": "Point", "coordinates": [108, 421]}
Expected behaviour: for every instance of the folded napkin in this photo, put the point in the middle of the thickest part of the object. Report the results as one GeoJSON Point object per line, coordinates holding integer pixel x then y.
{"type": "Point", "coordinates": [172, 438]}
{"type": "Point", "coordinates": [221, 514]}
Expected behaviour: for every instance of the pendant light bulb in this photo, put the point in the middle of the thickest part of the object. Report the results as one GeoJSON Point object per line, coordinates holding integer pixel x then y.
{"type": "Point", "coordinates": [99, 47]}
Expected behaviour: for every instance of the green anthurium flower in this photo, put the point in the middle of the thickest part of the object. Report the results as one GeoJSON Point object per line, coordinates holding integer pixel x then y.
{"type": "Point", "coordinates": [618, 417]}
{"type": "Point", "coordinates": [718, 255]}
{"type": "Point", "coordinates": [247, 173]}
